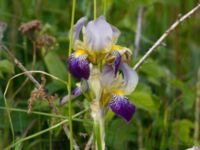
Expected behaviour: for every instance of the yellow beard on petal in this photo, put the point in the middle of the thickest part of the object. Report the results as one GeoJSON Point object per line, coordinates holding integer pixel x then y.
{"type": "Point", "coordinates": [107, 96]}
{"type": "Point", "coordinates": [97, 57]}
{"type": "Point", "coordinates": [116, 47]}
{"type": "Point", "coordinates": [80, 52]}
{"type": "Point", "coordinates": [118, 92]}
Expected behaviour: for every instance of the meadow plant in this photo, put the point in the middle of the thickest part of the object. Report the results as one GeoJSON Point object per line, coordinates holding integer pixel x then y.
{"type": "Point", "coordinates": [100, 67]}
{"type": "Point", "coordinates": [104, 71]}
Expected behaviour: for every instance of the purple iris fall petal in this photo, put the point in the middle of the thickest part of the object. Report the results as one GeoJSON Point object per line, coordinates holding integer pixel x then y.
{"type": "Point", "coordinates": [79, 66]}
{"type": "Point", "coordinates": [75, 93]}
{"type": "Point", "coordinates": [122, 107]}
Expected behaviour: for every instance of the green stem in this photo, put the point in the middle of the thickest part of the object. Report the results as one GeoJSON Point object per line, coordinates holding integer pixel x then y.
{"type": "Point", "coordinates": [9, 118]}
{"type": "Point", "coordinates": [43, 131]}
{"type": "Point", "coordinates": [99, 132]}
{"type": "Point", "coordinates": [95, 9]}
{"type": "Point", "coordinates": [104, 7]}
{"type": "Point", "coordinates": [69, 76]}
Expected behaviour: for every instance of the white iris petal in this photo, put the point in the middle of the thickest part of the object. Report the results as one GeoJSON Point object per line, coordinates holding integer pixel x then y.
{"type": "Point", "coordinates": [98, 35]}
{"type": "Point", "coordinates": [77, 29]}
{"type": "Point", "coordinates": [130, 78]}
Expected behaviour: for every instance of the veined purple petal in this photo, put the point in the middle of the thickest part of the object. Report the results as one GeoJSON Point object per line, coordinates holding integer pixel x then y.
{"type": "Point", "coordinates": [79, 66]}
{"type": "Point", "coordinates": [77, 29]}
{"type": "Point", "coordinates": [98, 35]}
{"type": "Point", "coordinates": [122, 107]}
{"type": "Point", "coordinates": [130, 78]}
{"type": "Point", "coordinates": [117, 61]}
{"type": "Point", "coordinates": [75, 93]}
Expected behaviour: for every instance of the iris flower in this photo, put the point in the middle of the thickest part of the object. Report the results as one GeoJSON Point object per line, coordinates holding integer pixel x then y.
{"type": "Point", "coordinates": [104, 65]}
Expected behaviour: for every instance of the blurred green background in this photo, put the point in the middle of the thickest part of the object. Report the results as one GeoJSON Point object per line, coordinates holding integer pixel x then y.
{"type": "Point", "coordinates": [166, 93]}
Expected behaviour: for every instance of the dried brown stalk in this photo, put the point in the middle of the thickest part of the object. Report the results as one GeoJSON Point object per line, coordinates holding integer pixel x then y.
{"type": "Point", "coordinates": [197, 112]}
{"type": "Point", "coordinates": [167, 32]}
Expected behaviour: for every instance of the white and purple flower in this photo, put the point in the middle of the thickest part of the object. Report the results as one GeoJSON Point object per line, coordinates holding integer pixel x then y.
{"type": "Point", "coordinates": [104, 65]}
{"type": "Point", "coordinates": [116, 87]}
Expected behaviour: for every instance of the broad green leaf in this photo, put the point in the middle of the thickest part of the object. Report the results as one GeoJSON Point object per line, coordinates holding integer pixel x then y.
{"type": "Point", "coordinates": [6, 67]}
{"type": "Point", "coordinates": [153, 71]}
{"type": "Point", "coordinates": [182, 129]}
{"type": "Point", "coordinates": [189, 97]}
{"type": "Point", "coordinates": [1, 74]}
{"type": "Point", "coordinates": [143, 100]}
{"type": "Point", "coordinates": [57, 68]}
{"type": "Point", "coordinates": [177, 83]}
{"type": "Point", "coordinates": [109, 115]}
{"type": "Point", "coordinates": [55, 65]}
{"type": "Point", "coordinates": [119, 134]}
{"type": "Point", "coordinates": [151, 68]}
{"type": "Point", "coordinates": [21, 121]}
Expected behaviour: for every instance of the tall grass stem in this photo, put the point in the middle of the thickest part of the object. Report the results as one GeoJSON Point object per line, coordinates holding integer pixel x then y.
{"type": "Point", "coordinates": [69, 75]}
{"type": "Point", "coordinates": [95, 9]}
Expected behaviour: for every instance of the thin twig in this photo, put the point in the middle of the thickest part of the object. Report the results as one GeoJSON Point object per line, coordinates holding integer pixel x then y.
{"type": "Point", "coordinates": [197, 112]}
{"type": "Point", "coordinates": [32, 68]}
{"type": "Point", "coordinates": [167, 32]}
{"type": "Point", "coordinates": [21, 67]}
{"type": "Point", "coordinates": [89, 143]}
{"type": "Point", "coordinates": [28, 128]}
{"type": "Point", "coordinates": [138, 31]}
{"type": "Point", "coordinates": [38, 85]}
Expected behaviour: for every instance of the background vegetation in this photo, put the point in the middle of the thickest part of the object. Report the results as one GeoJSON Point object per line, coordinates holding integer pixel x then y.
{"type": "Point", "coordinates": [165, 96]}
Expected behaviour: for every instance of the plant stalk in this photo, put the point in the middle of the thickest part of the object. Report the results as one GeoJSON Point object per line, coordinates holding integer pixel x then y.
{"type": "Point", "coordinates": [197, 112]}
{"type": "Point", "coordinates": [99, 131]}
{"type": "Point", "coordinates": [69, 77]}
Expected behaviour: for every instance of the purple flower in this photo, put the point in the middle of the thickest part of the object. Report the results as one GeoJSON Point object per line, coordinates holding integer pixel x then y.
{"type": "Point", "coordinates": [117, 61]}
{"type": "Point", "coordinates": [98, 46]}
{"type": "Point", "coordinates": [98, 35]}
{"type": "Point", "coordinates": [119, 86]}
{"type": "Point", "coordinates": [122, 107]}
{"type": "Point", "coordinates": [79, 66]}
{"type": "Point", "coordinates": [75, 93]}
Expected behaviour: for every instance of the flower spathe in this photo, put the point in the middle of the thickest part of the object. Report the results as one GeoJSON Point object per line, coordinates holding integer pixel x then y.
{"type": "Point", "coordinates": [104, 65]}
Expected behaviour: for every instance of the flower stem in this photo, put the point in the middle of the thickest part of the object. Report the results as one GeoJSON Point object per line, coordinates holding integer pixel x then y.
{"type": "Point", "coordinates": [99, 132]}
{"type": "Point", "coordinates": [104, 7]}
{"type": "Point", "coordinates": [95, 9]}
{"type": "Point", "coordinates": [197, 112]}
{"type": "Point", "coordinates": [69, 76]}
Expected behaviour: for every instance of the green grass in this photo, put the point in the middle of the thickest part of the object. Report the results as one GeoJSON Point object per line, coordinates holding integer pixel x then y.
{"type": "Point", "coordinates": [165, 96]}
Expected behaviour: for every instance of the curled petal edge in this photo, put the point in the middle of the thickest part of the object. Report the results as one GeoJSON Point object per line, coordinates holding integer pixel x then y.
{"type": "Point", "coordinates": [130, 78]}
{"type": "Point", "coordinates": [77, 29]}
